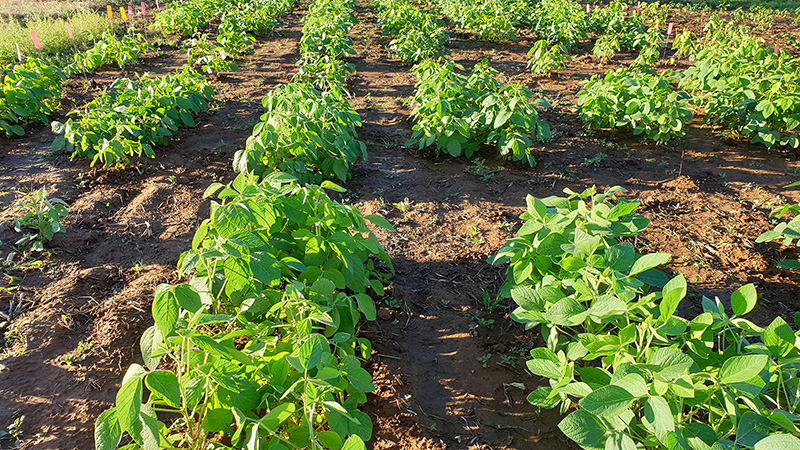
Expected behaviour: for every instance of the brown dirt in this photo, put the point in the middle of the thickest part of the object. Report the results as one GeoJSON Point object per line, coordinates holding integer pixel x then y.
{"type": "Point", "coordinates": [708, 199]}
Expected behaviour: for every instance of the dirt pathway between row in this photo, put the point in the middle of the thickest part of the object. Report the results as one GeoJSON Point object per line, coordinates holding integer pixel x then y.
{"type": "Point", "coordinates": [436, 368]}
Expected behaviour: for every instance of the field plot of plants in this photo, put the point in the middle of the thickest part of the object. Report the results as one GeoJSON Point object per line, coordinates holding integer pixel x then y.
{"type": "Point", "coordinates": [356, 224]}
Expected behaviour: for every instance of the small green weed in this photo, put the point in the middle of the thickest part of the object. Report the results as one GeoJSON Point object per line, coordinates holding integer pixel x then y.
{"type": "Point", "coordinates": [42, 214]}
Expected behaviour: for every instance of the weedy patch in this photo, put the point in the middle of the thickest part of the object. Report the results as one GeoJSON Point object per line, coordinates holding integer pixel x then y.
{"type": "Point", "coordinates": [13, 434]}
{"type": "Point", "coordinates": [481, 170]}
{"type": "Point", "coordinates": [77, 356]}
{"type": "Point", "coordinates": [40, 213]}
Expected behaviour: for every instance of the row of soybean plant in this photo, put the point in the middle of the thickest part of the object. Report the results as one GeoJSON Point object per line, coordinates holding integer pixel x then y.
{"type": "Point", "coordinates": [493, 20]}
{"type": "Point", "coordinates": [31, 91]}
{"type": "Point", "coordinates": [239, 23]}
{"type": "Point", "coordinates": [308, 128]}
{"type": "Point", "coordinates": [739, 82]}
{"type": "Point", "coordinates": [629, 370]}
{"type": "Point", "coordinates": [417, 35]}
{"type": "Point", "coordinates": [260, 348]}
{"type": "Point", "coordinates": [454, 111]}
{"type": "Point", "coordinates": [133, 116]}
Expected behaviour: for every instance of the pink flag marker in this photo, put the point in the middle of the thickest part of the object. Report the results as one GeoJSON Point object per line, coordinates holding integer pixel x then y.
{"type": "Point", "coordinates": [702, 16]}
{"type": "Point", "coordinates": [19, 53]}
{"type": "Point", "coordinates": [777, 50]}
{"type": "Point", "coordinates": [143, 13]}
{"type": "Point", "coordinates": [669, 29]}
{"type": "Point", "coordinates": [36, 42]}
{"type": "Point", "coordinates": [69, 31]}
{"type": "Point", "coordinates": [130, 11]}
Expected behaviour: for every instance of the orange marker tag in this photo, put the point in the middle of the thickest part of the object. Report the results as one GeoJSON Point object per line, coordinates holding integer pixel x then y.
{"type": "Point", "coordinates": [35, 39]}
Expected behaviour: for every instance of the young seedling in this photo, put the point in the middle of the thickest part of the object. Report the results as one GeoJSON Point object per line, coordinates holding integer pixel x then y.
{"type": "Point", "coordinates": [403, 206]}
{"type": "Point", "coordinates": [37, 212]}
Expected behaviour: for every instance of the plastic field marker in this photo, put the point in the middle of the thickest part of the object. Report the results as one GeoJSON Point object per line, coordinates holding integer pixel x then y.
{"type": "Point", "coordinates": [143, 13]}
{"type": "Point", "coordinates": [588, 9]}
{"type": "Point", "coordinates": [19, 53]}
{"type": "Point", "coordinates": [69, 31]}
{"type": "Point", "coordinates": [777, 50]}
{"type": "Point", "coordinates": [669, 29]}
{"type": "Point", "coordinates": [110, 12]}
{"type": "Point", "coordinates": [130, 11]}
{"type": "Point", "coordinates": [158, 7]}
{"type": "Point", "coordinates": [122, 13]}
{"type": "Point", "coordinates": [702, 16]}
{"type": "Point", "coordinates": [36, 42]}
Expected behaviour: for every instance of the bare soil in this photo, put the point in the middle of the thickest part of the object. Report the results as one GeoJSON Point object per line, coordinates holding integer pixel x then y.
{"type": "Point", "coordinates": [449, 371]}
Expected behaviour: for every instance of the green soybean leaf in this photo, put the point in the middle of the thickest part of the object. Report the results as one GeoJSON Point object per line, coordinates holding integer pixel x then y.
{"type": "Point", "coordinates": [649, 261]}
{"type": "Point", "coordinates": [567, 312]}
{"type": "Point", "coordinates": [744, 299]}
{"type": "Point", "coordinates": [699, 435]}
{"type": "Point", "coordinates": [608, 401]}
{"type": "Point", "coordinates": [607, 306]}
{"type": "Point", "coordinates": [187, 298]}
{"type": "Point", "coordinates": [217, 419]}
{"type": "Point", "coordinates": [327, 184]}
{"type": "Point", "coordinates": [129, 404]}
{"type": "Point", "coordinates": [739, 369]}
{"type": "Point", "coordinates": [544, 367]}
{"type": "Point", "coordinates": [674, 291]}
{"type": "Point", "coordinates": [619, 441]}
{"type": "Point", "coordinates": [634, 384]}
{"type": "Point", "coordinates": [187, 119]}
{"type": "Point", "coordinates": [278, 415]}
{"type": "Point", "coordinates": [778, 442]}
{"type": "Point", "coordinates": [724, 445]}
{"type": "Point", "coordinates": [246, 239]}
{"type": "Point", "coordinates": [354, 442]}
{"type": "Point", "coordinates": [672, 363]}
{"type": "Point", "coordinates": [107, 432]}
{"type": "Point", "coordinates": [752, 428]}
{"type": "Point", "coordinates": [366, 306]}
{"type": "Point", "coordinates": [658, 418]}
{"type": "Point", "coordinates": [149, 429]}
{"type": "Point", "coordinates": [541, 398]}
{"type": "Point", "coordinates": [165, 312]}
{"type": "Point", "coordinates": [380, 221]}
{"type": "Point", "coordinates": [166, 385]}
{"type": "Point", "coordinates": [779, 338]}
{"type": "Point", "coordinates": [583, 428]}
{"type": "Point", "coordinates": [311, 351]}
{"type": "Point", "coordinates": [149, 344]}
{"type": "Point", "coordinates": [783, 420]}
{"type": "Point", "coordinates": [536, 208]}
{"type": "Point", "coordinates": [528, 298]}
{"type": "Point", "coordinates": [620, 257]}
{"type": "Point", "coordinates": [330, 440]}
{"type": "Point", "coordinates": [360, 379]}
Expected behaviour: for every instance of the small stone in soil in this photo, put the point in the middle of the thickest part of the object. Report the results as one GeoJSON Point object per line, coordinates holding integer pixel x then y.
{"type": "Point", "coordinates": [384, 314]}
